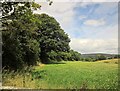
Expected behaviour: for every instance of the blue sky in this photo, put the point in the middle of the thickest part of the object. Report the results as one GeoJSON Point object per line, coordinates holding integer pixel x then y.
{"type": "Point", "coordinates": [91, 26]}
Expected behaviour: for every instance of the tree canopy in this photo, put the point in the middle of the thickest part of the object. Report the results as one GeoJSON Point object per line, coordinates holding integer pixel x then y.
{"type": "Point", "coordinates": [19, 45]}
{"type": "Point", "coordinates": [30, 38]}
{"type": "Point", "coordinates": [51, 37]}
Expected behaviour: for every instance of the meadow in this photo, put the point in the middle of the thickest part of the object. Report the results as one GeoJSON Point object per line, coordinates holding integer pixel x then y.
{"type": "Point", "coordinates": [67, 75]}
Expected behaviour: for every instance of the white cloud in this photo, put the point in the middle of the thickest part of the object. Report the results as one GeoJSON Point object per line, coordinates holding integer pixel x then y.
{"type": "Point", "coordinates": [68, 0]}
{"type": "Point", "coordinates": [94, 45]}
{"type": "Point", "coordinates": [93, 22]}
{"type": "Point", "coordinates": [84, 4]}
{"type": "Point", "coordinates": [63, 12]}
{"type": "Point", "coordinates": [82, 17]}
{"type": "Point", "coordinates": [107, 32]}
{"type": "Point", "coordinates": [79, 0]}
{"type": "Point", "coordinates": [98, 0]}
{"type": "Point", "coordinates": [105, 0]}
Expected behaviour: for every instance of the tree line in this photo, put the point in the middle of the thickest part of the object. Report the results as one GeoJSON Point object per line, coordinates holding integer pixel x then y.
{"type": "Point", "coordinates": [98, 57]}
{"type": "Point", "coordinates": [29, 38]}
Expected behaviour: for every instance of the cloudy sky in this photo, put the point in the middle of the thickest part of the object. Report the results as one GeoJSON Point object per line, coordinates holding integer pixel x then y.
{"type": "Point", "coordinates": [91, 26]}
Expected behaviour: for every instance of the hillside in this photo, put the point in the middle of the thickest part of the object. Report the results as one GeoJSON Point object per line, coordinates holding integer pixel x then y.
{"type": "Point", "coordinates": [93, 55]}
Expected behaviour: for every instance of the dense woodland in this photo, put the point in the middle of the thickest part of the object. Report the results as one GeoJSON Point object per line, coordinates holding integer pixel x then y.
{"type": "Point", "coordinates": [30, 38]}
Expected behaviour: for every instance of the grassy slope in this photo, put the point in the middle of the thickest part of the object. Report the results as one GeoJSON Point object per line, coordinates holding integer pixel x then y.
{"type": "Point", "coordinates": [92, 75]}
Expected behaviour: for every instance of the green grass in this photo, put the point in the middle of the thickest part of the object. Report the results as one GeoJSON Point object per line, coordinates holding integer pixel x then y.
{"type": "Point", "coordinates": [92, 75]}
{"type": "Point", "coordinates": [76, 75]}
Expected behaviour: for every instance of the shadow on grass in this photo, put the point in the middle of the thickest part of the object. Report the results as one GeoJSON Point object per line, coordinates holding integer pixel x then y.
{"type": "Point", "coordinates": [55, 63]}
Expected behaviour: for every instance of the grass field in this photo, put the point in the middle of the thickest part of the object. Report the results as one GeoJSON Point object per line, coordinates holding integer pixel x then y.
{"type": "Point", "coordinates": [74, 75]}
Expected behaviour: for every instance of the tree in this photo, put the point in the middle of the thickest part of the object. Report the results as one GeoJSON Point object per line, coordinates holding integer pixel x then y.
{"type": "Point", "coordinates": [75, 56]}
{"type": "Point", "coordinates": [20, 46]}
{"type": "Point", "coordinates": [101, 57]}
{"type": "Point", "coordinates": [51, 37]}
{"type": "Point", "coordinates": [28, 38]}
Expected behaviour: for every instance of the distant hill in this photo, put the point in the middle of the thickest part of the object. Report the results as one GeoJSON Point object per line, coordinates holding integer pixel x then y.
{"type": "Point", "coordinates": [93, 55]}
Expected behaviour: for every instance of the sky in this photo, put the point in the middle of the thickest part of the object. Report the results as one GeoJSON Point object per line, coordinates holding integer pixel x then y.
{"type": "Point", "coordinates": [91, 26]}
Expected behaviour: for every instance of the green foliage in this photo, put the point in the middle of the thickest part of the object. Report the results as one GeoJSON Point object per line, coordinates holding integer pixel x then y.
{"type": "Point", "coordinates": [75, 55]}
{"type": "Point", "coordinates": [35, 6]}
{"type": "Point", "coordinates": [117, 56]}
{"type": "Point", "coordinates": [12, 52]}
{"type": "Point", "coordinates": [28, 37]}
{"type": "Point", "coordinates": [90, 59]}
{"type": "Point", "coordinates": [52, 38]}
{"type": "Point", "coordinates": [20, 46]}
{"type": "Point", "coordinates": [95, 58]}
{"type": "Point", "coordinates": [101, 57]}
{"type": "Point", "coordinates": [10, 8]}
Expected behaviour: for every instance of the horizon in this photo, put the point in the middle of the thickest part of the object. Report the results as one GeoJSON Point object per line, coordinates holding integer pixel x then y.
{"type": "Point", "coordinates": [92, 27]}
{"type": "Point", "coordinates": [102, 53]}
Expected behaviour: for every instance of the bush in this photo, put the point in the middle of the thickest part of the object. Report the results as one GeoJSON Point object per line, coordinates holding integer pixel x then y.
{"type": "Point", "coordinates": [75, 55]}
{"type": "Point", "coordinates": [101, 57]}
